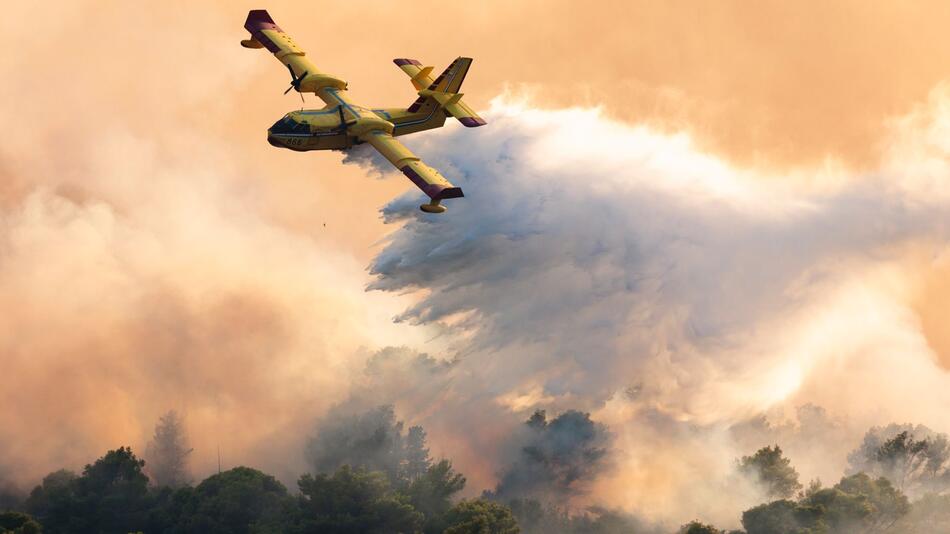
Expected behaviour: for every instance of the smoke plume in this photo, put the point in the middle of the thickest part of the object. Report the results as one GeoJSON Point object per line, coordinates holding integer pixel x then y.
{"type": "Point", "coordinates": [599, 266]}
{"type": "Point", "coordinates": [558, 457]}
{"type": "Point", "coordinates": [157, 254]}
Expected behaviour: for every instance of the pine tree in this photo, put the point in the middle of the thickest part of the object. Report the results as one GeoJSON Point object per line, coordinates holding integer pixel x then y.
{"type": "Point", "coordinates": [168, 452]}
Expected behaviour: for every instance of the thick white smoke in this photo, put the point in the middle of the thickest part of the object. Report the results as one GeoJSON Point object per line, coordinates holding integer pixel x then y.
{"type": "Point", "coordinates": [600, 266]}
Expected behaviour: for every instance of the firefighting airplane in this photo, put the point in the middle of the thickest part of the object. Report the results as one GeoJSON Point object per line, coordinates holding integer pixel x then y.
{"type": "Point", "coordinates": [340, 124]}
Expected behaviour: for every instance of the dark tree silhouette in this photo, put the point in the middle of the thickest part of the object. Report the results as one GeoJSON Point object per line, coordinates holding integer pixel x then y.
{"type": "Point", "coordinates": [238, 501]}
{"type": "Point", "coordinates": [354, 501]}
{"type": "Point", "coordinates": [111, 495]}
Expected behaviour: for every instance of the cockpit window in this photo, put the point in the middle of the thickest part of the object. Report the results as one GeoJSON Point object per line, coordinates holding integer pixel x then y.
{"type": "Point", "coordinates": [287, 125]}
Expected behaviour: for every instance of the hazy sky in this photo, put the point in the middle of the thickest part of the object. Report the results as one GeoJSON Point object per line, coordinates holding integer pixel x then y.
{"type": "Point", "coordinates": [756, 215]}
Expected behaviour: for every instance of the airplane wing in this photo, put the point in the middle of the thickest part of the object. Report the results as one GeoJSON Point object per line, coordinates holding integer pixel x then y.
{"type": "Point", "coordinates": [305, 76]}
{"type": "Point", "coordinates": [425, 177]}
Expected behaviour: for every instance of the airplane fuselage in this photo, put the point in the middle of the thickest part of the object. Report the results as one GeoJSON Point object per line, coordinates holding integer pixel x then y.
{"type": "Point", "coordinates": [339, 127]}
{"type": "Point", "coordinates": [341, 123]}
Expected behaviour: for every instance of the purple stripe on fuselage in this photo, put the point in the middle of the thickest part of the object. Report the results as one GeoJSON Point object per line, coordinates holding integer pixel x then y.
{"type": "Point", "coordinates": [259, 19]}
{"type": "Point", "coordinates": [449, 192]}
{"type": "Point", "coordinates": [271, 46]}
{"type": "Point", "coordinates": [414, 176]}
{"type": "Point", "coordinates": [472, 122]}
{"type": "Point", "coordinates": [417, 104]}
{"type": "Point", "coordinates": [434, 191]}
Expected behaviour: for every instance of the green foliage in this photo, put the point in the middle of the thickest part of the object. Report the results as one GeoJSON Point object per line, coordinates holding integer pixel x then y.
{"type": "Point", "coordinates": [111, 495]}
{"type": "Point", "coordinates": [55, 497]}
{"type": "Point", "coordinates": [18, 523]}
{"type": "Point", "coordinates": [773, 471]}
{"type": "Point", "coordinates": [695, 527]}
{"type": "Point", "coordinates": [535, 518]}
{"type": "Point", "coordinates": [432, 492]}
{"type": "Point", "coordinates": [914, 458]}
{"type": "Point", "coordinates": [777, 517]}
{"type": "Point", "coordinates": [856, 504]}
{"type": "Point", "coordinates": [354, 501]}
{"type": "Point", "coordinates": [481, 516]}
{"type": "Point", "coordinates": [239, 501]}
{"type": "Point", "coordinates": [373, 440]}
{"type": "Point", "coordinates": [901, 456]}
{"type": "Point", "coordinates": [887, 503]}
{"type": "Point", "coordinates": [597, 520]}
{"type": "Point", "coordinates": [417, 461]}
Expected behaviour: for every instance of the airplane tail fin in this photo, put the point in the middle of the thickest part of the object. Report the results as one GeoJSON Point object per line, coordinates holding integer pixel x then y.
{"type": "Point", "coordinates": [444, 90]}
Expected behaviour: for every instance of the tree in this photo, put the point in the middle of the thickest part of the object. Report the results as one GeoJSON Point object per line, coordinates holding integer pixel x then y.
{"type": "Point", "coordinates": [354, 501]}
{"type": "Point", "coordinates": [901, 456]}
{"type": "Point", "coordinates": [111, 495]}
{"type": "Point", "coordinates": [481, 516]}
{"type": "Point", "coordinates": [114, 491]}
{"type": "Point", "coordinates": [54, 498]}
{"type": "Point", "coordinates": [558, 457]}
{"type": "Point", "coordinates": [597, 520]}
{"type": "Point", "coordinates": [535, 518]}
{"type": "Point", "coordinates": [238, 501]}
{"type": "Point", "coordinates": [530, 514]}
{"type": "Point", "coordinates": [168, 452]}
{"type": "Point", "coordinates": [773, 471]}
{"type": "Point", "coordinates": [937, 457]}
{"type": "Point", "coordinates": [18, 523]}
{"type": "Point", "coordinates": [432, 492]}
{"type": "Point", "coordinates": [695, 527]}
{"type": "Point", "coordinates": [777, 517]}
{"type": "Point", "coordinates": [914, 458]}
{"type": "Point", "coordinates": [887, 504]}
{"type": "Point", "coordinates": [373, 440]}
{"type": "Point", "coordinates": [856, 504]}
{"type": "Point", "coordinates": [417, 454]}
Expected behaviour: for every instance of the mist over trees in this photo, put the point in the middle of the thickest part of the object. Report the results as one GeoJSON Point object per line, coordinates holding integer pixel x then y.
{"type": "Point", "coordinates": [535, 517]}
{"type": "Point", "coordinates": [914, 458]}
{"type": "Point", "coordinates": [856, 504]}
{"type": "Point", "coordinates": [372, 475]}
{"type": "Point", "coordinates": [773, 471]}
{"type": "Point", "coordinates": [374, 440]}
{"type": "Point", "coordinates": [557, 457]}
{"type": "Point", "coordinates": [870, 499]}
{"type": "Point", "coordinates": [167, 454]}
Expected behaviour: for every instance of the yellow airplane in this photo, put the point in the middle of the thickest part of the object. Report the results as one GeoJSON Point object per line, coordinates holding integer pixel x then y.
{"type": "Point", "coordinates": [341, 124]}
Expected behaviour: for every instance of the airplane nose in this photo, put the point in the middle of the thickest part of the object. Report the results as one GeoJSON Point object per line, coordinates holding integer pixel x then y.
{"type": "Point", "coordinates": [273, 141]}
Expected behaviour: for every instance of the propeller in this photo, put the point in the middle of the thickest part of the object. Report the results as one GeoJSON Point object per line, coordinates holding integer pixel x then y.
{"type": "Point", "coordinates": [295, 81]}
